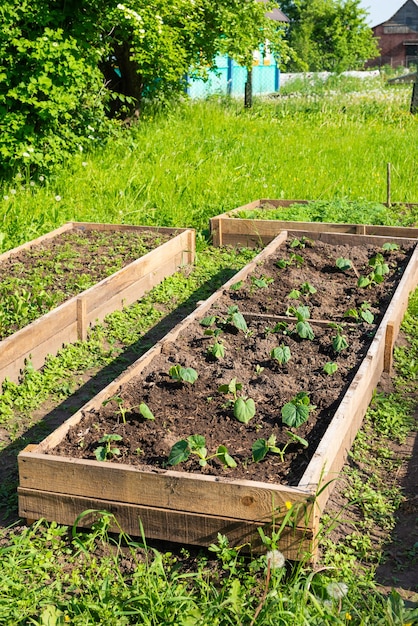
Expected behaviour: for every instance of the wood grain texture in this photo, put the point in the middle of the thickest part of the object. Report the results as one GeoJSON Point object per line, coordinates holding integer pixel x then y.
{"type": "Point", "coordinates": [162, 524]}
{"type": "Point", "coordinates": [228, 230]}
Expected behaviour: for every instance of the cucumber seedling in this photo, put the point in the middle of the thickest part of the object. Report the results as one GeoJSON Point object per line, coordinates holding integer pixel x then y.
{"type": "Point", "coordinates": [183, 374]}
{"type": "Point", "coordinates": [361, 313]}
{"type": "Point", "coordinates": [281, 354]}
{"type": "Point", "coordinates": [339, 341]}
{"type": "Point", "coordinates": [296, 412]}
{"type": "Point", "coordinates": [243, 408]}
{"type": "Point", "coordinates": [303, 328]}
{"type": "Point", "coordinates": [262, 447]}
{"type": "Point", "coordinates": [106, 452]}
{"type": "Point", "coordinates": [196, 444]}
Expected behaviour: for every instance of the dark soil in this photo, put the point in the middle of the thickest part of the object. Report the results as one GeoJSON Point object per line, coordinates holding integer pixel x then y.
{"type": "Point", "coordinates": [183, 409]}
{"type": "Point", "coordinates": [35, 280]}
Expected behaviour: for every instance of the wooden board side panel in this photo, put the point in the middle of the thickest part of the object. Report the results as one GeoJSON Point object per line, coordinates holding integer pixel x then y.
{"type": "Point", "coordinates": [162, 524]}
{"type": "Point", "coordinates": [45, 335]}
{"type": "Point", "coordinates": [247, 500]}
{"type": "Point", "coordinates": [257, 233]}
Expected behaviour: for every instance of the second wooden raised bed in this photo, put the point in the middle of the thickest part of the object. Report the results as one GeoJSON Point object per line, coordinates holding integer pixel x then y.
{"type": "Point", "coordinates": [70, 321]}
{"type": "Point", "coordinates": [230, 229]}
{"type": "Point", "coordinates": [192, 508]}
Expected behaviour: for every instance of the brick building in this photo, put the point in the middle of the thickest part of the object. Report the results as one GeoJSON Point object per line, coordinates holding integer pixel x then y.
{"type": "Point", "coordinates": [398, 38]}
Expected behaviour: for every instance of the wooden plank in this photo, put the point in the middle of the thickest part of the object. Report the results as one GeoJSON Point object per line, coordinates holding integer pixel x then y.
{"type": "Point", "coordinates": [81, 307]}
{"type": "Point", "coordinates": [389, 343]}
{"type": "Point", "coordinates": [194, 493]}
{"type": "Point", "coordinates": [229, 230]}
{"type": "Point", "coordinates": [161, 524]}
{"type": "Point", "coordinates": [46, 335]}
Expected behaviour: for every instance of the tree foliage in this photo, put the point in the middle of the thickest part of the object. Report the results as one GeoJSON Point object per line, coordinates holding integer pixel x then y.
{"type": "Point", "coordinates": [328, 35]}
{"type": "Point", "coordinates": [65, 64]}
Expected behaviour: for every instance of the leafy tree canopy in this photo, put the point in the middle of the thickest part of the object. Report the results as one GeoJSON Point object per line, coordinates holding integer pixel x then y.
{"type": "Point", "coordinates": [330, 35]}
{"type": "Point", "coordinates": [68, 65]}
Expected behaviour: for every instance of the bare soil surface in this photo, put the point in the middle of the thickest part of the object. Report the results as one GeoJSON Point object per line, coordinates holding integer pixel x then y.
{"type": "Point", "coordinates": [182, 409]}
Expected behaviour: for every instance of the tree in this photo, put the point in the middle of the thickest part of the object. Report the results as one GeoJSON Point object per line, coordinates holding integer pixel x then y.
{"type": "Point", "coordinates": [65, 64]}
{"type": "Point", "coordinates": [330, 35]}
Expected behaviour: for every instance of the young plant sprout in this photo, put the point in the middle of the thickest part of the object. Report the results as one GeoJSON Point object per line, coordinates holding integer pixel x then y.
{"type": "Point", "coordinates": [196, 444]}
{"type": "Point", "coordinates": [301, 243]}
{"type": "Point", "coordinates": [361, 313]}
{"type": "Point", "coordinates": [281, 354]}
{"type": "Point", "coordinates": [262, 282]}
{"type": "Point", "coordinates": [145, 411]}
{"type": "Point", "coordinates": [103, 453]}
{"type": "Point", "coordinates": [243, 408]}
{"type": "Point", "coordinates": [296, 412]}
{"type": "Point", "coordinates": [303, 328]}
{"type": "Point", "coordinates": [294, 259]}
{"type": "Point", "coordinates": [390, 247]}
{"type": "Point", "coordinates": [122, 410]}
{"type": "Point", "coordinates": [339, 342]}
{"type": "Point", "coordinates": [233, 318]}
{"type": "Point", "coordinates": [183, 374]}
{"type": "Point", "coordinates": [262, 447]}
{"type": "Point", "coordinates": [379, 269]}
{"type": "Point", "coordinates": [330, 368]}
{"type": "Point", "coordinates": [345, 264]}
{"type": "Point", "coordinates": [216, 350]}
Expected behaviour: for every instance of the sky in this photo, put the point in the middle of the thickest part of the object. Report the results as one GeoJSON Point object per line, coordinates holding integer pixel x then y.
{"type": "Point", "coordinates": [380, 10]}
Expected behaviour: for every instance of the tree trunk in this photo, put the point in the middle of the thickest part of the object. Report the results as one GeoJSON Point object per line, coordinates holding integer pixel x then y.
{"type": "Point", "coordinates": [248, 94]}
{"type": "Point", "coordinates": [414, 99]}
{"type": "Point", "coordinates": [121, 75]}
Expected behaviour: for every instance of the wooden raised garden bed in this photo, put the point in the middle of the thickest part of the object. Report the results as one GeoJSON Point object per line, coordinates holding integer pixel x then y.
{"type": "Point", "coordinates": [70, 320]}
{"type": "Point", "coordinates": [229, 229]}
{"type": "Point", "coordinates": [190, 503]}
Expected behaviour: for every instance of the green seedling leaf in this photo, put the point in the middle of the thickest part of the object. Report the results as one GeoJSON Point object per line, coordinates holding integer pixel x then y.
{"type": "Point", "coordinates": [330, 368]}
{"type": "Point", "coordinates": [231, 387]}
{"type": "Point", "coordinates": [197, 443]}
{"type": "Point", "coordinates": [367, 316]}
{"type": "Point", "coordinates": [281, 354]}
{"type": "Point", "coordinates": [100, 453]}
{"type": "Point", "coordinates": [294, 294]}
{"type": "Point", "coordinates": [343, 264]}
{"type": "Point", "coordinates": [380, 266]}
{"type": "Point", "coordinates": [262, 282]}
{"type": "Point", "coordinates": [237, 319]}
{"type": "Point", "coordinates": [183, 374]}
{"type": "Point", "coordinates": [297, 439]}
{"type": "Point", "coordinates": [225, 458]}
{"type": "Point", "coordinates": [364, 281]}
{"type": "Point", "coordinates": [217, 350]}
{"type": "Point", "coordinates": [179, 452]}
{"type": "Point", "coordinates": [259, 450]}
{"type": "Point", "coordinates": [296, 412]}
{"type": "Point", "coordinates": [307, 289]}
{"type": "Point", "coordinates": [282, 263]}
{"type": "Point", "coordinates": [353, 313]}
{"type": "Point", "coordinates": [304, 330]}
{"type": "Point", "coordinates": [236, 286]}
{"type": "Point", "coordinates": [146, 412]}
{"type": "Point", "coordinates": [244, 409]}
{"type": "Point", "coordinates": [390, 247]}
{"type": "Point", "coordinates": [339, 343]}
{"type": "Point", "coordinates": [207, 321]}
{"type": "Point", "coordinates": [294, 415]}
{"type": "Point", "coordinates": [110, 438]}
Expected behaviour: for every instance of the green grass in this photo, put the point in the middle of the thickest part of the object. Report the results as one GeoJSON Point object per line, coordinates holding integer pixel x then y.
{"type": "Point", "coordinates": [180, 168]}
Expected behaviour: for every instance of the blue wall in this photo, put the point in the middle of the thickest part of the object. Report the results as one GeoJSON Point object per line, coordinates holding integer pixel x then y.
{"type": "Point", "coordinates": [230, 78]}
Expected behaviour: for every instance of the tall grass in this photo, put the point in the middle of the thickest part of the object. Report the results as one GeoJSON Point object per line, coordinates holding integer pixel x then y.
{"type": "Point", "coordinates": [182, 166]}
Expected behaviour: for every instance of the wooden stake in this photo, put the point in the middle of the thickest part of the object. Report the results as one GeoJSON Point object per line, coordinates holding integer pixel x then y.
{"type": "Point", "coordinates": [388, 353]}
{"type": "Point", "coordinates": [388, 187]}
